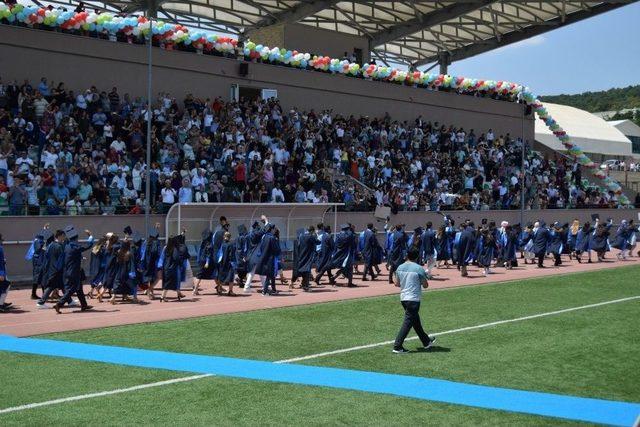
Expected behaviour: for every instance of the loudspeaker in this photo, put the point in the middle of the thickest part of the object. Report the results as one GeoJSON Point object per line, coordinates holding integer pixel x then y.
{"type": "Point", "coordinates": [244, 69]}
{"type": "Point", "coordinates": [529, 110]}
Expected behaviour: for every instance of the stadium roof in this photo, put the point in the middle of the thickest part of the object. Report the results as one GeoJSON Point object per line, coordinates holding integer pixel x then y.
{"type": "Point", "coordinates": [413, 32]}
{"type": "Point", "coordinates": [591, 133]}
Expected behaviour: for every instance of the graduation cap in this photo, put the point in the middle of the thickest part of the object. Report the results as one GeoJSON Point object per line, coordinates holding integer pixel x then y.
{"type": "Point", "coordinates": [47, 236]}
{"type": "Point", "coordinates": [67, 229]}
{"type": "Point", "coordinates": [565, 225]}
{"type": "Point", "coordinates": [154, 233]}
{"type": "Point", "coordinates": [242, 229]}
{"type": "Point", "coordinates": [71, 234]}
{"type": "Point", "coordinates": [595, 216]}
{"type": "Point", "coordinates": [137, 238]}
{"type": "Point", "coordinates": [127, 230]}
{"type": "Point", "coordinates": [255, 224]}
{"type": "Point", "coordinates": [418, 230]}
{"type": "Point", "coordinates": [345, 227]}
{"type": "Point", "coordinates": [206, 234]}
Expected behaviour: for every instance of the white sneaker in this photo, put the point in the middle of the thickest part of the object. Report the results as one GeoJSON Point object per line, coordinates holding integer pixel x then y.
{"type": "Point", "coordinates": [74, 303]}
{"type": "Point", "coordinates": [42, 306]}
{"type": "Point", "coordinates": [247, 290]}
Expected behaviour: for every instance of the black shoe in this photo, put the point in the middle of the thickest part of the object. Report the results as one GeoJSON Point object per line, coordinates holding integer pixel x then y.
{"type": "Point", "coordinates": [34, 296]}
{"type": "Point", "coordinates": [56, 307]}
{"type": "Point", "coordinates": [364, 279]}
{"type": "Point", "coordinates": [400, 350]}
{"type": "Point", "coordinates": [6, 305]}
{"type": "Point", "coordinates": [428, 346]}
{"type": "Point", "coordinates": [306, 289]}
{"type": "Point", "coordinates": [374, 276]}
{"type": "Point", "coordinates": [86, 307]}
{"type": "Point", "coordinates": [351, 285]}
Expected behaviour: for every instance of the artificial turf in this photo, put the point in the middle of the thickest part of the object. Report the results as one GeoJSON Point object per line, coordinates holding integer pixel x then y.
{"type": "Point", "coordinates": [587, 353]}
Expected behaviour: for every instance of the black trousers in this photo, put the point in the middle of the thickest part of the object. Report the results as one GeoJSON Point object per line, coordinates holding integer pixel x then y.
{"type": "Point", "coordinates": [392, 269]}
{"type": "Point", "coordinates": [320, 273]}
{"type": "Point", "coordinates": [540, 257]}
{"type": "Point", "coordinates": [69, 290]}
{"type": "Point", "coordinates": [306, 277]}
{"type": "Point", "coordinates": [368, 269]}
{"type": "Point", "coordinates": [411, 320]}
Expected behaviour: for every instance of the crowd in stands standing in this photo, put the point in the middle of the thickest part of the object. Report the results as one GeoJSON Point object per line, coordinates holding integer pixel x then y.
{"type": "Point", "coordinates": [83, 152]}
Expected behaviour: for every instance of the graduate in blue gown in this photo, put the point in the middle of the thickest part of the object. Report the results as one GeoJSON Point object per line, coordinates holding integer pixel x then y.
{"type": "Point", "coordinates": [398, 251]}
{"type": "Point", "coordinates": [254, 238]}
{"type": "Point", "coordinates": [97, 265]}
{"type": "Point", "coordinates": [324, 250]}
{"type": "Point", "coordinates": [4, 281]}
{"type": "Point", "coordinates": [265, 259]}
{"type": "Point", "coordinates": [540, 240]}
{"type": "Point", "coordinates": [556, 243]}
{"type": "Point", "coordinates": [205, 260]}
{"type": "Point", "coordinates": [510, 247]}
{"type": "Point", "coordinates": [242, 249]}
{"type": "Point", "coordinates": [487, 247]}
{"type": "Point", "coordinates": [466, 247]}
{"type": "Point", "coordinates": [226, 261]}
{"type": "Point", "coordinates": [110, 266]}
{"type": "Point", "coordinates": [428, 253]}
{"type": "Point", "coordinates": [306, 249]}
{"type": "Point", "coordinates": [370, 251]}
{"type": "Point", "coordinates": [172, 262]}
{"type": "Point", "coordinates": [583, 242]}
{"type": "Point", "coordinates": [148, 262]}
{"type": "Point", "coordinates": [599, 241]}
{"type": "Point", "coordinates": [622, 239]}
{"type": "Point", "coordinates": [54, 268]}
{"type": "Point", "coordinates": [342, 257]}
{"type": "Point", "coordinates": [124, 279]}
{"type": "Point", "coordinates": [36, 254]}
{"type": "Point", "coordinates": [72, 274]}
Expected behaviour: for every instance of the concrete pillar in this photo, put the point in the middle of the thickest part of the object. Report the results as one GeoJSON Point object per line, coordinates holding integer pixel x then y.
{"type": "Point", "coordinates": [444, 60]}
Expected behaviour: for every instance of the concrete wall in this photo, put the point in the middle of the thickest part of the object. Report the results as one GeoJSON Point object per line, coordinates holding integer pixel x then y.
{"type": "Point", "coordinates": [305, 38]}
{"type": "Point", "coordinates": [82, 62]}
{"type": "Point", "coordinates": [22, 229]}
{"type": "Point", "coordinates": [324, 42]}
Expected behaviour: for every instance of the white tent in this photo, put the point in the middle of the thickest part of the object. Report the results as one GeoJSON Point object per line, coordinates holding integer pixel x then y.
{"type": "Point", "coordinates": [591, 133]}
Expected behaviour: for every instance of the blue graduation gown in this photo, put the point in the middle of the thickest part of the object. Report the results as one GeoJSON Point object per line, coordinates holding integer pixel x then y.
{"type": "Point", "coordinates": [487, 248]}
{"type": "Point", "coordinates": [73, 263]}
{"type": "Point", "coordinates": [54, 266]}
{"type": "Point", "coordinates": [369, 247]}
{"type": "Point", "coordinates": [342, 257]}
{"type": "Point", "coordinates": [306, 252]}
{"type": "Point", "coordinates": [427, 245]}
{"type": "Point", "coordinates": [266, 255]}
{"type": "Point", "coordinates": [555, 242]}
{"type": "Point", "coordinates": [540, 240]}
{"type": "Point", "coordinates": [398, 250]}
{"type": "Point", "coordinates": [324, 250]}
{"type": "Point", "coordinates": [226, 262]}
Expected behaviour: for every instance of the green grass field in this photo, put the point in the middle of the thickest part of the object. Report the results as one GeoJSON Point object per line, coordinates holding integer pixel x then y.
{"type": "Point", "coordinates": [591, 353]}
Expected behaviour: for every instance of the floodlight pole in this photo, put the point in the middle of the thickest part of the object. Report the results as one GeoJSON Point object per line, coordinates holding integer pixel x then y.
{"type": "Point", "coordinates": [151, 13]}
{"type": "Point", "coordinates": [524, 172]}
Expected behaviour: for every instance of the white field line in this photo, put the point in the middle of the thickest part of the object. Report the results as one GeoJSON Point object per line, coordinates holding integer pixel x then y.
{"type": "Point", "coordinates": [311, 356]}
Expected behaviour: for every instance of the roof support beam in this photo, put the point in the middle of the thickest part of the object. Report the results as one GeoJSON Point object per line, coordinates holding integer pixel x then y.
{"type": "Point", "coordinates": [296, 13]}
{"type": "Point", "coordinates": [516, 36]}
{"type": "Point", "coordinates": [426, 20]}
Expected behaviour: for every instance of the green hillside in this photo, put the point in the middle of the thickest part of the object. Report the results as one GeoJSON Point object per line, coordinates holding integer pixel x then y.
{"type": "Point", "coordinates": [606, 100]}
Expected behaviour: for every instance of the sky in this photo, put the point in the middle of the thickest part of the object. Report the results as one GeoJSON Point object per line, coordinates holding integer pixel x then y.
{"type": "Point", "coordinates": [594, 54]}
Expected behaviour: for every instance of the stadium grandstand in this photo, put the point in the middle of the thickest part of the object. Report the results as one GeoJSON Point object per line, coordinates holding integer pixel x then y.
{"type": "Point", "coordinates": [80, 148]}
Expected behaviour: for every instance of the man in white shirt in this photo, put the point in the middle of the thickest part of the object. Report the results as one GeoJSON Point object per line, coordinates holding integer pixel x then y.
{"type": "Point", "coordinates": [168, 196]}
{"type": "Point", "coordinates": [24, 163]}
{"type": "Point", "coordinates": [118, 145]}
{"type": "Point", "coordinates": [277, 196]}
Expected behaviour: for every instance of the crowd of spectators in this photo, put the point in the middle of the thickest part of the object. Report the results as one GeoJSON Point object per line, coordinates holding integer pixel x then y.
{"type": "Point", "coordinates": [67, 152]}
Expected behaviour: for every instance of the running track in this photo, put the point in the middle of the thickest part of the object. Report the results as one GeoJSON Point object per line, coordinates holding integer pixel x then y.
{"type": "Point", "coordinates": [26, 320]}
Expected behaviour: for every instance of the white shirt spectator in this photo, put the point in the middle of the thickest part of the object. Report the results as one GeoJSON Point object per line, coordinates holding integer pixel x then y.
{"type": "Point", "coordinates": [168, 195]}
{"type": "Point", "coordinates": [277, 196]}
{"type": "Point", "coordinates": [118, 145]}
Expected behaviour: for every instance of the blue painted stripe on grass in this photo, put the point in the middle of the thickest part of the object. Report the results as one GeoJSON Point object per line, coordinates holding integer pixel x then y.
{"type": "Point", "coordinates": [552, 405]}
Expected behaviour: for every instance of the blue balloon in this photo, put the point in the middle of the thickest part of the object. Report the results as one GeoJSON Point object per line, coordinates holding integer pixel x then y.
{"type": "Point", "coordinates": [304, 63]}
